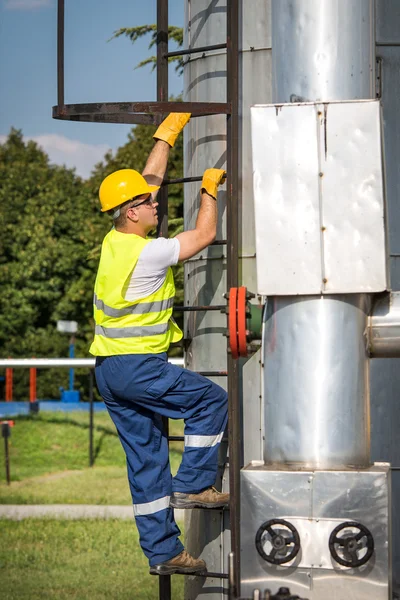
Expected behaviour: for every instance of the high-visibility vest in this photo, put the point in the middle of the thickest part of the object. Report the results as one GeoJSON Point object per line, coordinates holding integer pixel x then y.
{"type": "Point", "coordinates": [122, 327]}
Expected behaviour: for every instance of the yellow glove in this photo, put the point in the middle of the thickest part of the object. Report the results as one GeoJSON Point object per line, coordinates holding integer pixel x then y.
{"type": "Point", "coordinates": [171, 127]}
{"type": "Point", "coordinates": [212, 178]}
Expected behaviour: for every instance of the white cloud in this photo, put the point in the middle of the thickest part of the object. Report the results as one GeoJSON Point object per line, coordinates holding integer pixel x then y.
{"type": "Point", "coordinates": [26, 4]}
{"type": "Point", "coordinates": [72, 153]}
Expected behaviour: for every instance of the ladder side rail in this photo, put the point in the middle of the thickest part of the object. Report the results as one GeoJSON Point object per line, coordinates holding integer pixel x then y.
{"type": "Point", "coordinates": [162, 96]}
{"type": "Point", "coordinates": [164, 581]}
{"type": "Point", "coordinates": [60, 52]}
{"type": "Point", "coordinates": [234, 428]}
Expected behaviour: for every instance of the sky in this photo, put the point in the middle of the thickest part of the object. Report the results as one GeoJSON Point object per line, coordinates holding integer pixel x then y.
{"type": "Point", "coordinates": [96, 70]}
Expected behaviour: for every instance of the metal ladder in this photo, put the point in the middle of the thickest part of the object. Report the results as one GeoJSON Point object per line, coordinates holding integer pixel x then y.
{"type": "Point", "coordinates": [151, 113]}
{"type": "Point", "coordinates": [231, 109]}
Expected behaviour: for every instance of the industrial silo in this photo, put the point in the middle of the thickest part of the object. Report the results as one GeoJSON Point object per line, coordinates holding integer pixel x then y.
{"type": "Point", "coordinates": [299, 52]}
{"type": "Point", "coordinates": [205, 276]}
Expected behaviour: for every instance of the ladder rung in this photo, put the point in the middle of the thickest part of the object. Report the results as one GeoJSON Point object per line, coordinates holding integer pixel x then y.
{"type": "Point", "coordinates": [195, 50]}
{"type": "Point", "coordinates": [212, 373]}
{"type": "Point", "coordinates": [208, 574]}
{"type": "Point", "coordinates": [219, 307]}
{"type": "Point", "coordinates": [216, 575]}
{"type": "Point", "coordinates": [181, 180]}
{"type": "Point", "coordinates": [180, 438]}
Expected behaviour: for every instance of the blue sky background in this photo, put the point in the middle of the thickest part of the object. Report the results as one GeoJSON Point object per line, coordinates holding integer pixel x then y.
{"type": "Point", "coordinates": [96, 70]}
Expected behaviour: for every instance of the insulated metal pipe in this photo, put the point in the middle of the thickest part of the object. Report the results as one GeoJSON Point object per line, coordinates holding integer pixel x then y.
{"type": "Point", "coordinates": [323, 50]}
{"type": "Point", "coordinates": [384, 327]}
{"type": "Point", "coordinates": [317, 381]}
{"type": "Point", "coordinates": [316, 387]}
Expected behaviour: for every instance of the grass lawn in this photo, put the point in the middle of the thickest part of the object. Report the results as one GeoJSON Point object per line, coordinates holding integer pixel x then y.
{"type": "Point", "coordinates": [75, 560]}
{"type": "Point", "coordinates": [49, 455]}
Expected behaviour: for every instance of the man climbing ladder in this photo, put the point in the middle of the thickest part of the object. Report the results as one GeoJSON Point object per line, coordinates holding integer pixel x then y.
{"type": "Point", "coordinates": [133, 300]}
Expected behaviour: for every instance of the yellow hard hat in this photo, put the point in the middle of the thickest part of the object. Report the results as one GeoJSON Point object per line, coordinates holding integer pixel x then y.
{"type": "Point", "coordinates": [121, 186]}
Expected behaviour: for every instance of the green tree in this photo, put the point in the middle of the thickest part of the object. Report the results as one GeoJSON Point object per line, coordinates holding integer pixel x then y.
{"type": "Point", "coordinates": [49, 224]}
{"type": "Point", "coordinates": [134, 33]}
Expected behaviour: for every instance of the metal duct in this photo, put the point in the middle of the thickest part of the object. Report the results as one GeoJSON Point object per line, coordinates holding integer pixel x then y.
{"type": "Point", "coordinates": [384, 324]}
{"type": "Point", "coordinates": [323, 50]}
{"type": "Point", "coordinates": [316, 374]}
{"type": "Point", "coordinates": [316, 366]}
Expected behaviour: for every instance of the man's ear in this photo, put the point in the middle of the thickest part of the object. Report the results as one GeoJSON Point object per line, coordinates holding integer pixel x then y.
{"type": "Point", "coordinates": [133, 215]}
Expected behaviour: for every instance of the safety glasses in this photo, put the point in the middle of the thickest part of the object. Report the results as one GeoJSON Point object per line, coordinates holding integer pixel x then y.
{"type": "Point", "coordinates": [147, 201]}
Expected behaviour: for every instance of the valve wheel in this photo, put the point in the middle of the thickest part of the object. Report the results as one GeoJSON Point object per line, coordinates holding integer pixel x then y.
{"type": "Point", "coordinates": [351, 545]}
{"type": "Point", "coordinates": [284, 540]}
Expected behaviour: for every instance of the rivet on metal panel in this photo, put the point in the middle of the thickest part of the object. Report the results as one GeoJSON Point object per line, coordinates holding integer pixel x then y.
{"type": "Point", "coordinates": [321, 174]}
{"type": "Point", "coordinates": [378, 91]}
{"type": "Point", "coordinates": [325, 280]}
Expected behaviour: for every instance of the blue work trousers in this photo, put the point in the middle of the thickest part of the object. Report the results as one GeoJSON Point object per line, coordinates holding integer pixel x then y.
{"type": "Point", "coordinates": [138, 390]}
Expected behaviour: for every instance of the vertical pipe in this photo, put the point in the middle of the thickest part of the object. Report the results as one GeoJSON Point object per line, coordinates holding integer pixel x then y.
{"type": "Point", "coordinates": [164, 587]}
{"type": "Point", "coordinates": [317, 346]}
{"type": "Point", "coordinates": [9, 384]}
{"type": "Point", "coordinates": [231, 577]}
{"type": "Point", "coordinates": [316, 383]}
{"type": "Point", "coordinates": [6, 434]}
{"type": "Point", "coordinates": [32, 384]}
{"type": "Point", "coordinates": [91, 457]}
{"type": "Point", "coordinates": [232, 227]}
{"type": "Point", "coordinates": [71, 355]}
{"type": "Point", "coordinates": [162, 96]}
{"type": "Point", "coordinates": [60, 53]}
{"type": "Point", "coordinates": [323, 50]}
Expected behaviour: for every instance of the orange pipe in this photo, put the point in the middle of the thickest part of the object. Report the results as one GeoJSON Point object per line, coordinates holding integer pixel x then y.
{"type": "Point", "coordinates": [9, 384]}
{"type": "Point", "coordinates": [32, 384]}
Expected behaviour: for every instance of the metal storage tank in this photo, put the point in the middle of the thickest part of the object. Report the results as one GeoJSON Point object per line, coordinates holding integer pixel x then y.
{"type": "Point", "coordinates": [207, 533]}
{"type": "Point", "coordinates": [385, 373]}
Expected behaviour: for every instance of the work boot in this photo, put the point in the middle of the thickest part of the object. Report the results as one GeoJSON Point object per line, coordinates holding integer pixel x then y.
{"type": "Point", "coordinates": [209, 498]}
{"type": "Point", "coordinates": [183, 563]}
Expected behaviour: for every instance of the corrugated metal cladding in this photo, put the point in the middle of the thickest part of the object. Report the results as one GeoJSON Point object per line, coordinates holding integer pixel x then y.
{"type": "Point", "coordinates": [385, 373]}
{"type": "Point", "coordinates": [205, 276]}
{"type": "Point", "coordinates": [205, 141]}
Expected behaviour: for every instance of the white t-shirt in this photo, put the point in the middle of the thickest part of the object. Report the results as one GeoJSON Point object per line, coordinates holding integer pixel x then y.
{"type": "Point", "coordinates": [151, 268]}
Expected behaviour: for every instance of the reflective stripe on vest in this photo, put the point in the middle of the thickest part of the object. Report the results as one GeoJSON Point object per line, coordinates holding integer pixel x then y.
{"type": "Point", "coordinates": [137, 309]}
{"type": "Point", "coordinates": [127, 332]}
